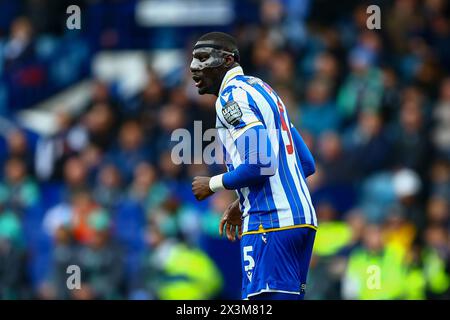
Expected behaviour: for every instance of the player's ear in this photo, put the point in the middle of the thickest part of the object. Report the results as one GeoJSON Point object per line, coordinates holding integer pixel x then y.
{"type": "Point", "coordinates": [229, 60]}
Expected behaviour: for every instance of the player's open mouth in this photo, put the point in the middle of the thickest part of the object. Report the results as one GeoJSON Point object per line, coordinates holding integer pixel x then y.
{"type": "Point", "coordinates": [198, 81]}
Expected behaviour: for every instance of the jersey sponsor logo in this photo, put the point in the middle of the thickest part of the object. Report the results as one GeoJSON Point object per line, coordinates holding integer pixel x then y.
{"type": "Point", "coordinates": [232, 113]}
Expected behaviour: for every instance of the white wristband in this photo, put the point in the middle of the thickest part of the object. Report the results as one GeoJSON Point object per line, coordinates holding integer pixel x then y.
{"type": "Point", "coordinates": [215, 183]}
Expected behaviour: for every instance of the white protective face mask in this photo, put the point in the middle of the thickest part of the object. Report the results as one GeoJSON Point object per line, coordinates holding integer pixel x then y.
{"type": "Point", "coordinates": [215, 59]}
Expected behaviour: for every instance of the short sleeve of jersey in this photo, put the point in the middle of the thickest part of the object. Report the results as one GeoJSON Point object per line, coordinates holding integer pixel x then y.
{"type": "Point", "coordinates": [235, 112]}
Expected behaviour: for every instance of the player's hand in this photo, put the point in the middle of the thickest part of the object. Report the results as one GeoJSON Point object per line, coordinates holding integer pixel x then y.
{"type": "Point", "coordinates": [232, 221]}
{"type": "Point", "coordinates": [200, 188]}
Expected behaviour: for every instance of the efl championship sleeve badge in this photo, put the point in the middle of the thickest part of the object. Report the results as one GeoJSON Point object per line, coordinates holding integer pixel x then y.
{"type": "Point", "coordinates": [232, 113]}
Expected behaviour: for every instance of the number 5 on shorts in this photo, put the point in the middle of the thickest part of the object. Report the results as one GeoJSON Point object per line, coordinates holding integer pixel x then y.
{"type": "Point", "coordinates": [247, 257]}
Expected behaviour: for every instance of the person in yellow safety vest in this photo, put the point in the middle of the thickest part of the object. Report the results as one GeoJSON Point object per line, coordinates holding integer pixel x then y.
{"type": "Point", "coordinates": [180, 272]}
{"type": "Point", "coordinates": [435, 257]}
{"type": "Point", "coordinates": [199, 279]}
{"type": "Point", "coordinates": [438, 280]}
{"type": "Point", "coordinates": [375, 271]}
{"type": "Point", "coordinates": [414, 284]}
{"type": "Point", "coordinates": [427, 278]}
{"type": "Point", "coordinates": [332, 237]}
{"type": "Point", "coordinates": [336, 235]}
{"type": "Point", "coordinates": [399, 232]}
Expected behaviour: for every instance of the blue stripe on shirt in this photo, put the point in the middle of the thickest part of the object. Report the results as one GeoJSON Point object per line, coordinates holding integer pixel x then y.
{"type": "Point", "coordinates": [284, 172]}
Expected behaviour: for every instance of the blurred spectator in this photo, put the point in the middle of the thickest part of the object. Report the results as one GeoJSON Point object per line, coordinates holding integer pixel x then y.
{"type": "Point", "coordinates": [441, 115]}
{"type": "Point", "coordinates": [171, 117]}
{"type": "Point", "coordinates": [61, 215]}
{"type": "Point", "coordinates": [75, 178]}
{"type": "Point", "coordinates": [65, 253]}
{"type": "Point", "coordinates": [410, 144]}
{"type": "Point", "coordinates": [101, 124]}
{"type": "Point", "coordinates": [363, 88]}
{"type": "Point", "coordinates": [149, 102]}
{"type": "Point", "coordinates": [101, 262]}
{"type": "Point", "coordinates": [337, 167]}
{"type": "Point", "coordinates": [440, 178]}
{"type": "Point", "coordinates": [18, 147]}
{"type": "Point", "coordinates": [436, 261]}
{"type": "Point", "coordinates": [402, 18]}
{"type": "Point", "coordinates": [271, 15]}
{"type": "Point", "coordinates": [368, 144]}
{"type": "Point", "coordinates": [13, 282]}
{"type": "Point", "coordinates": [328, 262]}
{"type": "Point", "coordinates": [53, 151]}
{"type": "Point", "coordinates": [391, 95]}
{"type": "Point", "coordinates": [108, 190]}
{"type": "Point", "coordinates": [18, 189]}
{"type": "Point", "coordinates": [282, 71]}
{"type": "Point", "coordinates": [130, 150]}
{"type": "Point", "coordinates": [333, 180]}
{"type": "Point", "coordinates": [328, 265]}
{"type": "Point", "coordinates": [331, 228]}
{"type": "Point", "coordinates": [377, 196]}
{"type": "Point", "coordinates": [326, 69]}
{"type": "Point", "coordinates": [100, 94]}
{"type": "Point", "coordinates": [398, 230]}
{"type": "Point", "coordinates": [83, 207]}
{"type": "Point", "coordinates": [170, 172]}
{"type": "Point", "coordinates": [170, 271]}
{"type": "Point", "coordinates": [20, 47]}
{"type": "Point", "coordinates": [375, 270]}
{"type": "Point", "coordinates": [438, 211]}
{"type": "Point", "coordinates": [204, 112]}
{"type": "Point", "coordinates": [92, 158]}
{"type": "Point", "coordinates": [407, 186]}
{"type": "Point", "coordinates": [210, 241]}
{"type": "Point", "coordinates": [318, 113]}
{"type": "Point", "coordinates": [261, 56]}
{"type": "Point", "coordinates": [146, 188]}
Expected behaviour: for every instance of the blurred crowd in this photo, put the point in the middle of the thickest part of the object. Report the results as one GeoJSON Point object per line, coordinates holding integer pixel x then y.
{"type": "Point", "coordinates": [373, 106]}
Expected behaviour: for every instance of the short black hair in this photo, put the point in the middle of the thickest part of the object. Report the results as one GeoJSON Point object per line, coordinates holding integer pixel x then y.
{"type": "Point", "coordinates": [224, 40]}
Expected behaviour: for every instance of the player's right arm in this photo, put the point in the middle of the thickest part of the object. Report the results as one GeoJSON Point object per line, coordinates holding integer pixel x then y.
{"type": "Point", "coordinates": [251, 139]}
{"type": "Point", "coordinates": [255, 150]}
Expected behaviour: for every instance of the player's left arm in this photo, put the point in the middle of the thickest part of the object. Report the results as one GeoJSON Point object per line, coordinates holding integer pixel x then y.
{"type": "Point", "coordinates": [305, 155]}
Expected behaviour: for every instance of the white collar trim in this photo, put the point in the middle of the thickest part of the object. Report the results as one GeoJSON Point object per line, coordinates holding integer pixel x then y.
{"type": "Point", "coordinates": [230, 75]}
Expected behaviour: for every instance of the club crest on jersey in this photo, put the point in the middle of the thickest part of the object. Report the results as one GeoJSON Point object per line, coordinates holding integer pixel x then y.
{"type": "Point", "coordinates": [232, 113]}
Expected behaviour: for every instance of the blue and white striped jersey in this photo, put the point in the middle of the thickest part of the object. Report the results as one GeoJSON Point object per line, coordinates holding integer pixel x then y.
{"type": "Point", "coordinates": [283, 200]}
